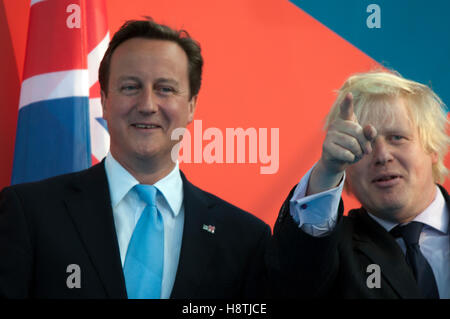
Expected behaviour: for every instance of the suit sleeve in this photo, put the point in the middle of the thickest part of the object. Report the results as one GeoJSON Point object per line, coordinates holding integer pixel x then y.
{"type": "Point", "coordinates": [315, 214]}
{"type": "Point", "coordinates": [300, 265]}
{"type": "Point", "coordinates": [256, 277]}
{"type": "Point", "coordinates": [15, 247]}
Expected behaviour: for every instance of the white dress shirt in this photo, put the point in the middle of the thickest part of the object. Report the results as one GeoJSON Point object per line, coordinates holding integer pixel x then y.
{"type": "Point", "coordinates": [127, 208]}
{"type": "Point", "coordinates": [317, 215]}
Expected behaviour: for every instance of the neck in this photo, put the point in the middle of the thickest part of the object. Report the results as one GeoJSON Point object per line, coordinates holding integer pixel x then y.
{"type": "Point", "coordinates": [146, 170]}
{"type": "Point", "coordinates": [402, 215]}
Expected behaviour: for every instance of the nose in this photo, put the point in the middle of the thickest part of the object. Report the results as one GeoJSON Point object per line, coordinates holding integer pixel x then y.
{"type": "Point", "coordinates": [147, 103]}
{"type": "Point", "coordinates": [381, 151]}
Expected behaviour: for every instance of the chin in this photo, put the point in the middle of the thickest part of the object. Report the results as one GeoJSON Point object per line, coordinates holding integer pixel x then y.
{"type": "Point", "coordinates": [146, 155]}
{"type": "Point", "coordinates": [388, 209]}
{"type": "Point", "coordinates": [143, 152]}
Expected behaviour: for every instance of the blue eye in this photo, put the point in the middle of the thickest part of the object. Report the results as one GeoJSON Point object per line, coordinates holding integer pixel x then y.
{"type": "Point", "coordinates": [396, 138]}
{"type": "Point", "coordinates": [165, 90]}
{"type": "Point", "coordinates": [129, 87]}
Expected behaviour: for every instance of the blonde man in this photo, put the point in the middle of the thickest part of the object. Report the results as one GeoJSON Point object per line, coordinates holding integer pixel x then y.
{"type": "Point", "coordinates": [386, 140]}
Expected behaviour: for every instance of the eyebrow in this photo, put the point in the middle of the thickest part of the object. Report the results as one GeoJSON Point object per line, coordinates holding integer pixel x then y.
{"type": "Point", "coordinates": [128, 77]}
{"type": "Point", "coordinates": [167, 80]}
{"type": "Point", "coordinates": [158, 80]}
{"type": "Point", "coordinates": [397, 131]}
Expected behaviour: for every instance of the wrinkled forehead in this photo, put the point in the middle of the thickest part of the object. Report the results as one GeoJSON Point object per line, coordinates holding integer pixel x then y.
{"type": "Point", "coordinates": [388, 112]}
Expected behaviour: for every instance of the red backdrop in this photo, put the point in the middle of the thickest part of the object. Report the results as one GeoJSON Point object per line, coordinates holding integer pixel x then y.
{"type": "Point", "coordinates": [267, 65]}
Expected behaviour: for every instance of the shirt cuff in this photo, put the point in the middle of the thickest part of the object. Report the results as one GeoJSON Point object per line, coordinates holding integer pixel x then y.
{"type": "Point", "coordinates": [315, 214]}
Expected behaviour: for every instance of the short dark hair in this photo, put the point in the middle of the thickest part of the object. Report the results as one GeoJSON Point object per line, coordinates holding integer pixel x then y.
{"type": "Point", "coordinates": [151, 30]}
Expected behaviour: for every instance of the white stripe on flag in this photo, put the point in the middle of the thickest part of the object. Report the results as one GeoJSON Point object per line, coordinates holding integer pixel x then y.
{"type": "Point", "coordinates": [99, 135]}
{"type": "Point", "coordinates": [35, 1]}
{"type": "Point", "coordinates": [54, 85]}
{"type": "Point", "coordinates": [95, 57]}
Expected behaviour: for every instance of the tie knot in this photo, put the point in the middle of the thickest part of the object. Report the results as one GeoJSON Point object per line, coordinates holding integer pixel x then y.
{"type": "Point", "coordinates": [147, 193]}
{"type": "Point", "coordinates": [410, 232]}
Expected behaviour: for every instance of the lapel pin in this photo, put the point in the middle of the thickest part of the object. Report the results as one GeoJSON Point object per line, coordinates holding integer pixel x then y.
{"type": "Point", "coordinates": [209, 228]}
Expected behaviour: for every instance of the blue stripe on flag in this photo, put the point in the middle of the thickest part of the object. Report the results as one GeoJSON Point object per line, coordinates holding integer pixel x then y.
{"type": "Point", "coordinates": [102, 122]}
{"type": "Point", "coordinates": [52, 138]}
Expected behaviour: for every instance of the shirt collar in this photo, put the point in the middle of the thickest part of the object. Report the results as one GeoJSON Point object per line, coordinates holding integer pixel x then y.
{"type": "Point", "coordinates": [171, 187]}
{"type": "Point", "coordinates": [435, 215]}
{"type": "Point", "coordinates": [121, 182]}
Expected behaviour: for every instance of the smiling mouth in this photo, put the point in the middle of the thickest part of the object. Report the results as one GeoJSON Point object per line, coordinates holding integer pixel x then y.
{"type": "Point", "coordinates": [145, 126]}
{"type": "Point", "coordinates": [387, 180]}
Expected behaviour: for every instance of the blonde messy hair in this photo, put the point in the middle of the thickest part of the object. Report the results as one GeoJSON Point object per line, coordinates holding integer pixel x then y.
{"type": "Point", "coordinates": [426, 109]}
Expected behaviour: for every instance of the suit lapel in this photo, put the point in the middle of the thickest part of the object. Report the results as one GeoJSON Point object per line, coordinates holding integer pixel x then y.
{"type": "Point", "coordinates": [89, 205]}
{"type": "Point", "coordinates": [198, 245]}
{"type": "Point", "coordinates": [385, 252]}
{"type": "Point", "coordinates": [447, 201]}
{"type": "Point", "coordinates": [380, 247]}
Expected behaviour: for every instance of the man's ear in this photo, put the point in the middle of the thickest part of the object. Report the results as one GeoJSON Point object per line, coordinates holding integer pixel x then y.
{"type": "Point", "coordinates": [103, 102]}
{"type": "Point", "coordinates": [192, 105]}
{"type": "Point", "coordinates": [434, 158]}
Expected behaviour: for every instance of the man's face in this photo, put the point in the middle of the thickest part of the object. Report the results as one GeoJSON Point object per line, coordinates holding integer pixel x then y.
{"type": "Point", "coordinates": [395, 181]}
{"type": "Point", "coordinates": [148, 97]}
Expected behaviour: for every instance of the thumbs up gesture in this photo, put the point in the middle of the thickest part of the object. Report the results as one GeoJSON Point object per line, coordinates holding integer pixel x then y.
{"type": "Point", "coordinates": [346, 143]}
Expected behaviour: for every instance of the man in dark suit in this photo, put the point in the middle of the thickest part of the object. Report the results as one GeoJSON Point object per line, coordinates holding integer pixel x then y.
{"type": "Point", "coordinates": [386, 141]}
{"type": "Point", "coordinates": [84, 235]}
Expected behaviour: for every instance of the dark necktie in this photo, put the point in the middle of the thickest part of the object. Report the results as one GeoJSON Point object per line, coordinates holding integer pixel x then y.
{"type": "Point", "coordinates": [415, 259]}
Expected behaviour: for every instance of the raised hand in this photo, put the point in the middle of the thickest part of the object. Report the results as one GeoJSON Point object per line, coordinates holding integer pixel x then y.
{"type": "Point", "coordinates": [346, 143]}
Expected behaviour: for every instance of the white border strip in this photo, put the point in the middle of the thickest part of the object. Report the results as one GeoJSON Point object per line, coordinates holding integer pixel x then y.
{"type": "Point", "coordinates": [35, 1]}
{"type": "Point", "coordinates": [95, 57]}
{"type": "Point", "coordinates": [54, 85]}
{"type": "Point", "coordinates": [99, 135]}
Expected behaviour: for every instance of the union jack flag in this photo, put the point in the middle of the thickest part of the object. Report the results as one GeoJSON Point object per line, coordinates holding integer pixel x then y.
{"type": "Point", "coordinates": [60, 127]}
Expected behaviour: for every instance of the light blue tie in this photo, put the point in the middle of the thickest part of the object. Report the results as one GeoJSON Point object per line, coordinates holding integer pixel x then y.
{"type": "Point", "coordinates": [143, 268]}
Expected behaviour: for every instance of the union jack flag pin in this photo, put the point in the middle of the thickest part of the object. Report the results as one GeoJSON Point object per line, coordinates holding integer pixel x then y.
{"type": "Point", "coordinates": [209, 228]}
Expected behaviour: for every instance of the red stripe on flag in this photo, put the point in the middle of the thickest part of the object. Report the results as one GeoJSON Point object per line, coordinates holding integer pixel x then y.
{"type": "Point", "coordinates": [52, 45]}
{"type": "Point", "coordinates": [94, 90]}
{"type": "Point", "coordinates": [96, 22]}
{"type": "Point", "coordinates": [94, 160]}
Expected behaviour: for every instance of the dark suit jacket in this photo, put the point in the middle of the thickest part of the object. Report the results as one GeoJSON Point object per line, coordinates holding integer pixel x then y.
{"type": "Point", "coordinates": [48, 225]}
{"type": "Point", "coordinates": [336, 265]}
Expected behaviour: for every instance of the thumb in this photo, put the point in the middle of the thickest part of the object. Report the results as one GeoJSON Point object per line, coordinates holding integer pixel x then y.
{"type": "Point", "coordinates": [370, 132]}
